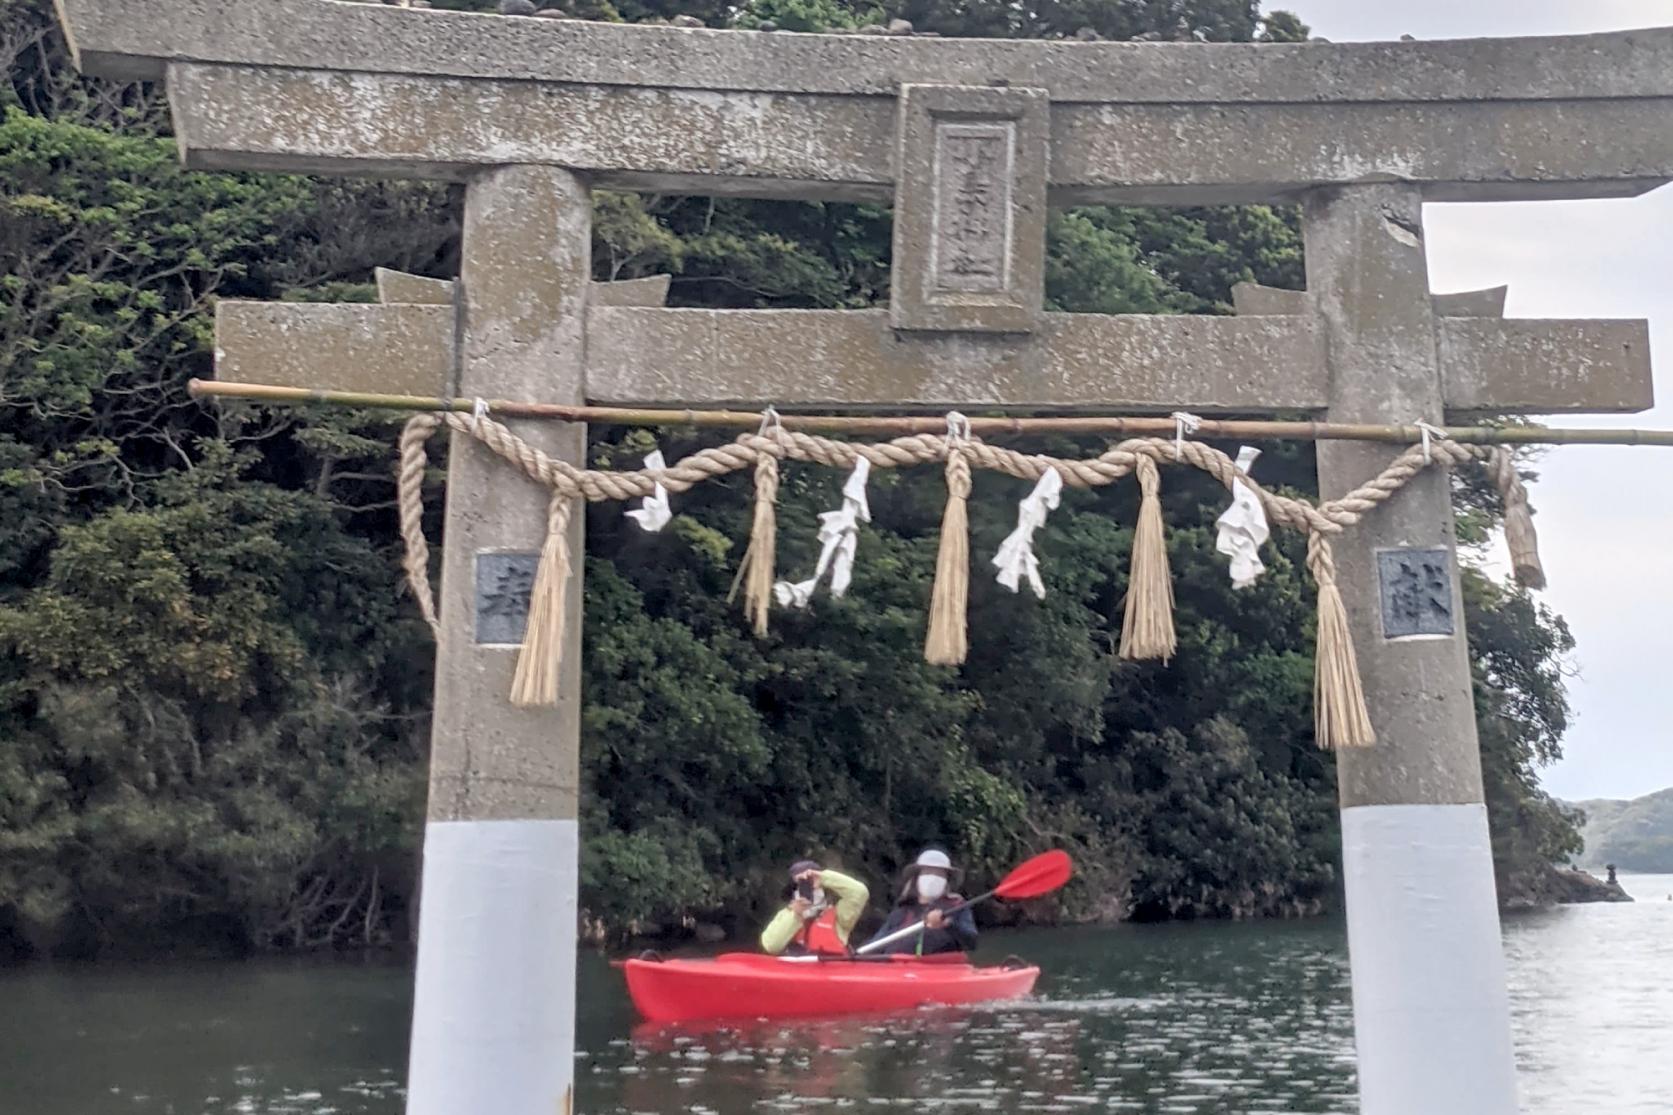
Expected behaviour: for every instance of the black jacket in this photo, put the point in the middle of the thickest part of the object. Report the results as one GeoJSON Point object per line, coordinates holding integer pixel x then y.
{"type": "Point", "coordinates": [957, 934]}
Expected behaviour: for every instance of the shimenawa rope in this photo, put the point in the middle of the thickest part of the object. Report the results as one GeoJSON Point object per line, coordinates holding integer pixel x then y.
{"type": "Point", "coordinates": [1341, 718]}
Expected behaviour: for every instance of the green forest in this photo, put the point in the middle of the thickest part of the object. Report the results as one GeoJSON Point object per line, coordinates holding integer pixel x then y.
{"type": "Point", "coordinates": [214, 692]}
{"type": "Point", "coordinates": [1635, 835]}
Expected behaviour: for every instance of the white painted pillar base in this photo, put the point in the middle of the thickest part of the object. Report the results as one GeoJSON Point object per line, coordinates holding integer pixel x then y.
{"type": "Point", "coordinates": [494, 1010]}
{"type": "Point", "coordinates": [1431, 1014]}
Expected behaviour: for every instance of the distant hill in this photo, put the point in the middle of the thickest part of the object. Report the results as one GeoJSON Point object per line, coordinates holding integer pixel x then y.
{"type": "Point", "coordinates": [1634, 835]}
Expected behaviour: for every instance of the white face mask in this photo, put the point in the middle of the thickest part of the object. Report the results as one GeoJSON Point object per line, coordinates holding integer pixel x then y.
{"type": "Point", "coordinates": [931, 887]}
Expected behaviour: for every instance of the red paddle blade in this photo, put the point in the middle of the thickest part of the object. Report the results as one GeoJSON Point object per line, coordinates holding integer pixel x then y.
{"type": "Point", "coordinates": [1040, 875]}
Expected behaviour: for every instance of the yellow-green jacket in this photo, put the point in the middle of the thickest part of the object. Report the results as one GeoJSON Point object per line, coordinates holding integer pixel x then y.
{"type": "Point", "coordinates": [851, 897]}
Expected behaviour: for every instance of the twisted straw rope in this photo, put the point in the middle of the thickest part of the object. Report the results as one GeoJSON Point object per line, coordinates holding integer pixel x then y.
{"type": "Point", "coordinates": [409, 484]}
{"type": "Point", "coordinates": [599, 485]}
{"type": "Point", "coordinates": [958, 473]}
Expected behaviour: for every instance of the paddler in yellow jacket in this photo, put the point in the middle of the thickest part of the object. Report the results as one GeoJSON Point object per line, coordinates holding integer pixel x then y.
{"type": "Point", "coordinates": [823, 908]}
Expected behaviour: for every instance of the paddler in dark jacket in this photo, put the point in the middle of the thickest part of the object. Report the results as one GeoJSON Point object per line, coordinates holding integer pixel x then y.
{"type": "Point", "coordinates": [823, 906]}
{"type": "Point", "coordinates": [925, 896]}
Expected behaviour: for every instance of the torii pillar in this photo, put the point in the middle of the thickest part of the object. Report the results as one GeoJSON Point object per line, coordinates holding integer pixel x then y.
{"type": "Point", "coordinates": [501, 841]}
{"type": "Point", "coordinates": [969, 139]}
{"type": "Point", "coordinates": [1423, 921]}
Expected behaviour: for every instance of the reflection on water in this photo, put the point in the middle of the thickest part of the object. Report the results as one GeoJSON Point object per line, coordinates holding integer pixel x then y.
{"type": "Point", "coordinates": [1592, 993]}
{"type": "Point", "coordinates": [286, 1039]}
{"type": "Point", "coordinates": [1203, 1018]}
{"type": "Point", "coordinates": [1170, 1019]}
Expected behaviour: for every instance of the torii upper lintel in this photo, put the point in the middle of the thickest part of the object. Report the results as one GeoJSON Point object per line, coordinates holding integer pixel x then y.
{"type": "Point", "coordinates": [330, 87]}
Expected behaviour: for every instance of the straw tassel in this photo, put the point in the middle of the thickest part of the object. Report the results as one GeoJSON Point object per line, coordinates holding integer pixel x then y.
{"type": "Point", "coordinates": [536, 682]}
{"type": "Point", "coordinates": [1339, 715]}
{"type": "Point", "coordinates": [947, 642]}
{"type": "Point", "coordinates": [756, 572]}
{"type": "Point", "coordinates": [1147, 628]}
{"type": "Point", "coordinates": [1519, 521]}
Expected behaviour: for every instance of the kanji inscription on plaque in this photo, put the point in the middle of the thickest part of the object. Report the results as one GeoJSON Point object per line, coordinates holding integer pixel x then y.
{"type": "Point", "coordinates": [1416, 593]}
{"type": "Point", "coordinates": [973, 194]}
{"type": "Point", "coordinates": [970, 209]}
{"type": "Point", "coordinates": [504, 583]}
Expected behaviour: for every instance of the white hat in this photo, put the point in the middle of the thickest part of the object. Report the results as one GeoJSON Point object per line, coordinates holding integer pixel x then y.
{"type": "Point", "coordinates": [931, 859]}
{"type": "Point", "coordinates": [934, 857]}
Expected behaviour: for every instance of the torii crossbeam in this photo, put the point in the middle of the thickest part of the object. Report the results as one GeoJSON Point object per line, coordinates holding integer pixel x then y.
{"type": "Point", "coordinates": [970, 140]}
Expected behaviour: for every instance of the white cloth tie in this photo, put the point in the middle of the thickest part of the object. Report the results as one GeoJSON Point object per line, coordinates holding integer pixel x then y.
{"type": "Point", "coordinates": [1015, 558]}
{"type": "Point", "coordinates": [839, 538]}
{"type": "Point", "coordinates": [1243, 526]}
{"type": "Point", "coordinates": [1427, 431]}
{"type": "Point", "coordinates": [654, 513]}
{"type": "Point", "coordinates": [1184, 422]}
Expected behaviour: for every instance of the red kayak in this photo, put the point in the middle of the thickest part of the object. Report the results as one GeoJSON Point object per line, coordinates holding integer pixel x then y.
{"type": "Point", "coordinates": [751, 985]}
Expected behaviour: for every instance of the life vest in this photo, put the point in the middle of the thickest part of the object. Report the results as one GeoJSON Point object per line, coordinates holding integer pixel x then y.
{"type": "Point", "coordinates": [820, 935]}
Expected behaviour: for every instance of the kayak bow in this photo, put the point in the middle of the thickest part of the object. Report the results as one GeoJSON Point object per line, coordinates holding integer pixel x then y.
{"type": "Point", "coordinates": [751, 985]}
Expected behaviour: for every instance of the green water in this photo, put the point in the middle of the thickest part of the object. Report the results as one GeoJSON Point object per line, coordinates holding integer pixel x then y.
{"type": "Point", "coordinates": [1196, 1018]}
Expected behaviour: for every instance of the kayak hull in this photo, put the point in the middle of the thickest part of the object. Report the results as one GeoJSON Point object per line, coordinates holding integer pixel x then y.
{"type": "Point", "coordinates": [747, 985]}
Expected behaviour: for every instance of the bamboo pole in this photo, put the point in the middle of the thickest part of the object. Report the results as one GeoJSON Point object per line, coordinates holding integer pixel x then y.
{"type": "Point", "coordinates": [902, 425]}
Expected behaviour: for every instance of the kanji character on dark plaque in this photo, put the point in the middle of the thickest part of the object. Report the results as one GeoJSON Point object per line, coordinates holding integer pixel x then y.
{"type": "Point", "coordinates": [1416, 592]}
{"type": "Point", "coordinates": [504, 583]}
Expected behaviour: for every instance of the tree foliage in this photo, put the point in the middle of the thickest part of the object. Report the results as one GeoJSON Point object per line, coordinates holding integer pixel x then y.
{"type": "Point", "coordinates": [214, 700]}
{"type": "Point", "coordinates": [1635, 835]}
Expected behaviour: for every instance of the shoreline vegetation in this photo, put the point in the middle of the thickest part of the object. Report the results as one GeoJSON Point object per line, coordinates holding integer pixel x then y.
{"type": "Point", "coordinates": [214, 697]}
{"type": "Point", "coordinates": [1635, 835]}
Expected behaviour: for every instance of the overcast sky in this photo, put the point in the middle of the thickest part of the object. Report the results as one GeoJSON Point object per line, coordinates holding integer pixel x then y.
{"type": "Point", "coordinates": [1605, 515]}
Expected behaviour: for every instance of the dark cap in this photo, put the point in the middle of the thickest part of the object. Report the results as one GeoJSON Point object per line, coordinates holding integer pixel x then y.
{"type": "Point", "coordinates": [802, 865]}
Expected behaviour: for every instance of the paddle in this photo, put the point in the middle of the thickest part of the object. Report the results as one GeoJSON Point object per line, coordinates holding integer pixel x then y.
{"type": "Point", "coordinates": [1042, 874]}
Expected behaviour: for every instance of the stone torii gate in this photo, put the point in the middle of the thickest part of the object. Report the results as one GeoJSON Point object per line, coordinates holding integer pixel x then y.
{"type": "Point", "coordinates": [970, 140]}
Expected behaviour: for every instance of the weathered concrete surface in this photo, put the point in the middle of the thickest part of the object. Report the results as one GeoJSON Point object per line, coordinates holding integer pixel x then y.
{"type": "Point", "coordinates": [970, 209]}
{"type": "Point", "coordinates": [1366, 270]}
{"type": "Point", "coordinates": [398, 286]}
{"type": "Point", "coordinates": [1472, 303]}
{"type": "Point", "coordinates": [400, 349]}
{"type": "Point", "coordinates": [1258, 300]}
{"type": "Point", "coordinates": [1512, 367]}
{"type": "Point", "coordinates": [854, 358]}
{"type": "Point", "coordinates": [524, 280]}
{"type": "Point", "coordinates": [1463, 151]}
{"type": "Point", "coordinates": [1431, 1014]}
{"type": "Point", "coordinates": [403, 347]}
{"type": "Point", "coordinates": [644, 355]}
{"type": "Point", "coordinates": [1121, 361]}
{"type": "Point", "coordinates": [1545, 367]}
{"type": "Point", "coordinates": [633, 138]}
{"type": "Point", "coordinates": [494, 997]}
{"type": "Point", "coordinates": [1254, 298]}
{"type": "Point", "coordinates": [652, 290]}
{"type": "Point", "coordinates": [843, 147]}
{"type": "Point", "coordinates": [134, 38]}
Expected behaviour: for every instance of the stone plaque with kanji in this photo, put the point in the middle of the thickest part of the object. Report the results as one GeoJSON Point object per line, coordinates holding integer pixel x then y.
{"type": "Point", "coordinates": [970, 209]}
{"type": "Point", "coordinates": [1416, 592]}
{"type": "Point", "coordinates": [504, 583]}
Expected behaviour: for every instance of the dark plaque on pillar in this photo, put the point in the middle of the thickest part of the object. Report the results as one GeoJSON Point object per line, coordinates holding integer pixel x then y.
{"type": "Point", "coordinates": [1416, 593]}
{"type": "Point", "coordinates": [970, 209]}
{"type": "Point", "coordinates": [504, 583]}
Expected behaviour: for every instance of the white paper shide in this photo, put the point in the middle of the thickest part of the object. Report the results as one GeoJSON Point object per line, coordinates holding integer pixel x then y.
{"type": "Point", "coordinates": [653, 514]}
{"type": "Point", "coordinates": [839, 538]}
{"type": "Point", "coordinates": [1243, 526]}
{"type": "Point", "coordinates": [1015, 559]}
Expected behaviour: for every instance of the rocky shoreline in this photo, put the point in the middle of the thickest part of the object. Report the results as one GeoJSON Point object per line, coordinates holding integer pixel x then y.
{"type": "Point", "coordinates": [1568, 886]}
